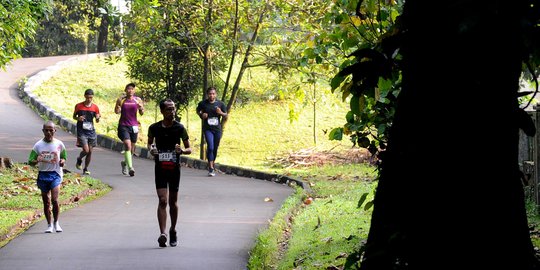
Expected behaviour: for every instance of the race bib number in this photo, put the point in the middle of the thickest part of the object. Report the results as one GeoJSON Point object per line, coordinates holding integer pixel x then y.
{"type": "Point", "coordinates": [87, 125]}
{"type": "Point", "coordinates": [213, 121]}
{"type": "Point", "coordinates": [167, 156]}
{"type": "Point", "coordinates": [135, 129]}
{"type": "Point", "coordinates": [47, 157]}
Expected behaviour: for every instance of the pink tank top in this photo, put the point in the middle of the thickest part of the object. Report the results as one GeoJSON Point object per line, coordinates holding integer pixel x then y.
{"type": "Point", "coordinates": [128, 113]}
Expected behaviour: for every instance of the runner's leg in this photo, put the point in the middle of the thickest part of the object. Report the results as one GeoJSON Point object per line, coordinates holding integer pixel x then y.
{"type": "Point", "coordinates": [209, 148]}
{"type": "Point", "coordinates": [162, 209]}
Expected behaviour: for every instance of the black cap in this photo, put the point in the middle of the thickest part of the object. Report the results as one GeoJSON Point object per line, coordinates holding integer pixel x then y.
{"type": "Point", "coordinates": [89, 92]}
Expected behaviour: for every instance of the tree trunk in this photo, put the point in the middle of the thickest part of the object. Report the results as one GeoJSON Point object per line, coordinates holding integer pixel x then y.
{"type": "Point", "coordinates": [202, 151]}
{"type": "Point", "coordinates": [245, 62]}
{"type": "Point", "coordinates": [206, 74]}
{"type": "Point", "coordinates": [233, 53]}
{"type": "Point", "coordinates": [449, 196]}
{"type": "Point", "coordinates": [103, 34]}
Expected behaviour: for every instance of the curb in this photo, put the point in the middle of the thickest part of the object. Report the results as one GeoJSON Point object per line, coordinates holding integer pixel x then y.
{"type": "Point", "coordinates": [25, 93]}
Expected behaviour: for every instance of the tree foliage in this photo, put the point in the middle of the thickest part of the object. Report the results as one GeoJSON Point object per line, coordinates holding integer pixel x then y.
{"type": "Point", "coordinates": [358, 40]}
{"type": "Point", "coordinates": [75, 27]}
{"type": "Point", "coordinates": [18, 23]}
{"type": "Point", "coordinates": [161, 48]}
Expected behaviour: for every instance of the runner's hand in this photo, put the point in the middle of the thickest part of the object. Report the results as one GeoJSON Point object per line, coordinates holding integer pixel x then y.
{"type": "Point", "coordinates": [178, 149]}
{"type": "Point", "coordinates": [153, 150]}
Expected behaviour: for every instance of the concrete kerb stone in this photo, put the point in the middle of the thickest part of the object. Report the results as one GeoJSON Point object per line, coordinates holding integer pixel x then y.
{"type": "Point", "coordinates": [26, 94]}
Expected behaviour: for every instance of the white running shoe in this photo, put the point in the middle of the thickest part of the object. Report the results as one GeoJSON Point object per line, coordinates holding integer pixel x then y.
{"type": "Point", "coordinates": [49, 228]}
{"type": "Point", "coordinates": [57, 227]}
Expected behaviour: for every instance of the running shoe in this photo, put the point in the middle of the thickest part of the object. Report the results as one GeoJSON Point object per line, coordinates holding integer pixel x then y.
{"type": "Point", "coordinates": [131, 172]}
{"type": "Point", "coordinates": [49, 228]}
{"type": "Point", "coordinates": [86, 172]}
{"type": "Point", "coordinates": [212, 173]}
{"type": "Point", "coordinates": [79, 163]}
{"type": "Point", "coordinates": [162, 240]}
{"type": "Point", "coordinates": [57, 227]}
{"type": "Point", "coordinates": [124, 168]}
{"type": "Point", "coordinates": [173, 241]}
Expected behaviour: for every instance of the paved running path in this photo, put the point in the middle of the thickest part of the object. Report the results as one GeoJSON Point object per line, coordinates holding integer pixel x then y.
{"type": "Point", "coordinates": [219, 217]}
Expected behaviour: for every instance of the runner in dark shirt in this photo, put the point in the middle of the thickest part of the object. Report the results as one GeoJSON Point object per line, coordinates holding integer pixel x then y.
{"type": "Point", "coordinates": [212, 111]}
{"type": "Point", "coordinates": [164, 138]}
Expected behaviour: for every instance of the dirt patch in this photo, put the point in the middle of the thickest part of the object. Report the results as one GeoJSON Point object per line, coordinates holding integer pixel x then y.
{"type": "Point", "coordinates": [312, 157]}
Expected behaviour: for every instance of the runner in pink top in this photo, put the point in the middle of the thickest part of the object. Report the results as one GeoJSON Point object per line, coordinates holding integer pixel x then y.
{"type": "Point", "coordinates": [128, 127]}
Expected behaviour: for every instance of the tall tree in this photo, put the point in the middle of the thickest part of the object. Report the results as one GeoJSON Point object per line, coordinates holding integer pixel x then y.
{"type": "Point", "coordinates": [161, 56]}
{"type": "Point", "coordinates": [76, 26]}
{"type": "Point", "coordinates": [18, 22]}
{"type": "Point", "coordinates": [449, 194]}
{"type": "Point", "coordinates": [108, 17]}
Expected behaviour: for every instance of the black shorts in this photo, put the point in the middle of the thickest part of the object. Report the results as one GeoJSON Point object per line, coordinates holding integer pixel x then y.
{"type": "Point", "coordinates": [167, 177]}
{"type": "Point", "coordinates": [83, 139]}
{"type": "Point", "coordinates": [126, 132]}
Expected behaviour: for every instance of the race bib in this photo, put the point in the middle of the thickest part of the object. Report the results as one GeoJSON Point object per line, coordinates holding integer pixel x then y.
{"type": "Point", "coordinates": [166, 156]}
{"type": "Point", "coordinates": [87, 126]}
{"type": "Point", "coordinates": [135, 129]}
{"type": "Point", "coordinates": [47, 157]}
{"type": "Point", "coordinates": [213, 121]}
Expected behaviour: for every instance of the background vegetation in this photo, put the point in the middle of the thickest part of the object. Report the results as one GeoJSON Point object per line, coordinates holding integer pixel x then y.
{"type": "Point", "coordinates": [259, 131]}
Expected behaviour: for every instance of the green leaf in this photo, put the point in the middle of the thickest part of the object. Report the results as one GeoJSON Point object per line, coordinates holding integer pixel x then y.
{"type": "Point", "coordinates": [355, 105]}
{"type": "Point", "coordinates": [349, 117]}
{"type": "Point", "coordinates": [368, 205]}
{"type": "Point", "coordinates": [363, 142]}
{"type": "Point", "coordinates": [362, 200]}
{"type": "Point", "coordinates": [336, 134]}
{"type": "Point", "coordinates": [336, 82]}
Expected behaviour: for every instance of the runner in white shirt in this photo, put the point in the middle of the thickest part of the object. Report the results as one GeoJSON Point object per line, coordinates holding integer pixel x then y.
{"type": "Point", "coordinates": [49, 154]}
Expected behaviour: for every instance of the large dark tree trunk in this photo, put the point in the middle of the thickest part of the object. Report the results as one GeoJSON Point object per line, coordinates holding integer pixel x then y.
{"type": "Point", "coordinates": [449, 196]}
{"type": "Point", "coordinates": [103, 34]}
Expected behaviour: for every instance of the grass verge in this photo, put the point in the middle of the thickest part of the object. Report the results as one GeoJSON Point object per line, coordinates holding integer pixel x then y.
{"type": "Point", "coordinates": [20, 199]}
{"type": "Point", "coordinates": [322, 233]}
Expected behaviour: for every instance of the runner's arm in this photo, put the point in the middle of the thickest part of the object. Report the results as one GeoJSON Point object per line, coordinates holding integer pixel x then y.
{"type": "Point", "coordinates": [140, 104]}
{"type": "Point", "coordinates": [187, 147]}
{"type": "Point", "coordinates": [118, 106]}
{"type": "Point", "coordinates": [32, 159]}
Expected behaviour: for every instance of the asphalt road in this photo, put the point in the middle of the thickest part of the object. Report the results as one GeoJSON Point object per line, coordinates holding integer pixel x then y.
{"type": "Point", "coordinates": [219, 220]}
